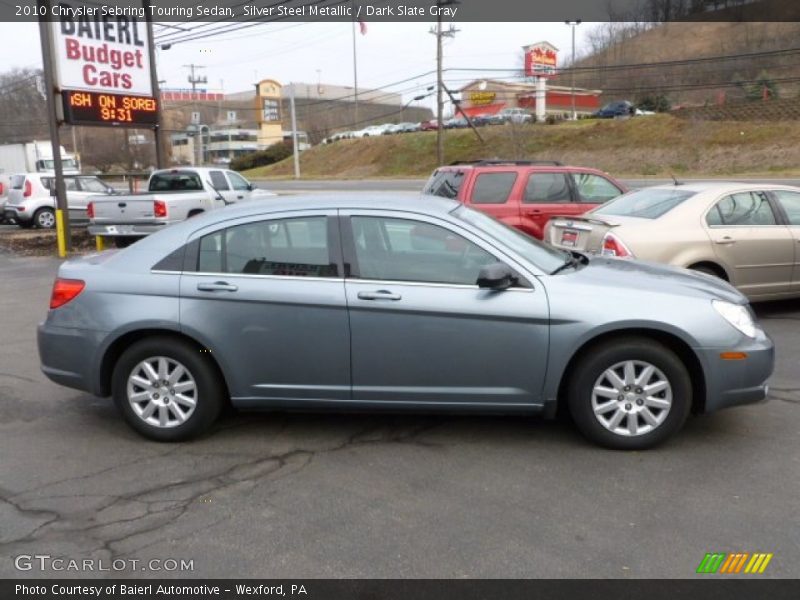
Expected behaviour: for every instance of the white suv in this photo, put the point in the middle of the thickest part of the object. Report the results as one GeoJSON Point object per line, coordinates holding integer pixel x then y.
{"type": "Point", "coordinates": [30, 201]}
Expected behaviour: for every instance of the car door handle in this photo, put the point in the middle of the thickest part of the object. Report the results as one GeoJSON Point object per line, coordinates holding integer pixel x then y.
{"type": "Point", "coordinates": [217, 286]}
{"type": "Point", "coordinates": [379, 295]}
{"type": "Point", "coordinates": [725, 240]}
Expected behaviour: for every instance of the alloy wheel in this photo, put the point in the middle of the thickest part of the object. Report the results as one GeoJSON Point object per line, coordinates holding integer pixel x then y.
{"type": "Point", "coordinates": [162, 392]}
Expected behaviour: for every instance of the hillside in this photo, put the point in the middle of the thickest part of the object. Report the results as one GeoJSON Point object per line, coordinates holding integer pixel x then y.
{"type": "Point", "coordinates": [656, 145]}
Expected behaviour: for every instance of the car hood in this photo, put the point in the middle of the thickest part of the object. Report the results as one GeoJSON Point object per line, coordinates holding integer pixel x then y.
{"type": "Point", "coordinates": [655, 277]}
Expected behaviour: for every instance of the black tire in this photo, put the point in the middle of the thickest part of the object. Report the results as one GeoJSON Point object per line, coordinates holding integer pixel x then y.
{"type": "Point", "coordinates": [209, 394]}
{"type": "Point", "coordinates": [44, 218]}
{"type": "Point", "coordinates": [594, 363]}
{"type": "Point", "coordinates": [25, 224]}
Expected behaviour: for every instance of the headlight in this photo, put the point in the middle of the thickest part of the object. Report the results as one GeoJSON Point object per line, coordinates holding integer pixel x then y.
{"type": "Point", "coordinates": [737, 315]}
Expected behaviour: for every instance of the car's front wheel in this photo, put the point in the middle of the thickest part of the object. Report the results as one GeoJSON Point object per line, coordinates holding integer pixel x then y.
{"type": "Point", "coordinates": [629, 393]}
{"type": "Point", "coordinates": [167, 389]}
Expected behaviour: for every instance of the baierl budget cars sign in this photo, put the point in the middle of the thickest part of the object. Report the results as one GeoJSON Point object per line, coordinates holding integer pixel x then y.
{"type": "Point", "coordinates": [101, 47]}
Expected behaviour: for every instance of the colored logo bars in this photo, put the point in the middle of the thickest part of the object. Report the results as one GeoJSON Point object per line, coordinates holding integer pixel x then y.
{"type": "Point", "coordinates": [734, 563]}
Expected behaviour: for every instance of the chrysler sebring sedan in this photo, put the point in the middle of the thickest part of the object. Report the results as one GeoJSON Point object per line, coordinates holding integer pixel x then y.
{"type": "Point", "coordinates": [747, 234]}
{"type": "Point", "coordinates": [395, 303]}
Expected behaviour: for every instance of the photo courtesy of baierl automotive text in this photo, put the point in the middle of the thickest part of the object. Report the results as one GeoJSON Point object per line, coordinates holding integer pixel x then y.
{"type": "Point", "coordinates": [426, 299]}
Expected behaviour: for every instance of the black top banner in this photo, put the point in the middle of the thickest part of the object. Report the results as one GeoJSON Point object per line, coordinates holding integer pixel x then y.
{"type": "Point", "coordinates": [181, 11]}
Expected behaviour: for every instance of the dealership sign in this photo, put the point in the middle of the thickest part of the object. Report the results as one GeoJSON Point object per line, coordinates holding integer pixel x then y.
{"type": "Point", "coordinates": [101, 63]}
{"type": "Point", "coordinates": [540, 59]}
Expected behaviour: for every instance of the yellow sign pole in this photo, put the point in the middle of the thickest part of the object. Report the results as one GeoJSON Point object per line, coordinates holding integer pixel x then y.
{"type": "Point", "coordinates": [61, 238]}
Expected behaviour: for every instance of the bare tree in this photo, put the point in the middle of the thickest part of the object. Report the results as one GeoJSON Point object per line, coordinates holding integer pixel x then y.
{"type": "Point", "coordinates": [22, 106]}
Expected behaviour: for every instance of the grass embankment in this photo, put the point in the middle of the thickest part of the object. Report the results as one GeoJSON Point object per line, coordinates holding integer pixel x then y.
{"type": "Point", "coordinates": [657, 145]}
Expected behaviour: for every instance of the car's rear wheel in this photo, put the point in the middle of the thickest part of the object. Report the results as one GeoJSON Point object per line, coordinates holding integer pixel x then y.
{"type": "Point", "coordinates": [629, 393]}
{"type": "Point", "coordinates": [44, 218]}
{"type": "Point", "coordinates": [166, 389]}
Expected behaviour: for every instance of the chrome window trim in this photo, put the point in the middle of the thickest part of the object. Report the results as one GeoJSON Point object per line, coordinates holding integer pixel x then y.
{"type": "Point", "coordinates": [460, 286]}
{"type": "Point", "coordinates": [246, 275]}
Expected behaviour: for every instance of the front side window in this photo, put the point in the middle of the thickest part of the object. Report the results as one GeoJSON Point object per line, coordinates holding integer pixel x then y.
{"type": "Point", "coordinates": [747, 208]}
{"type": "Point", "coordinates": [406, 250]}
{"type": "Point", "coordinates": [594, 189]}
{"type": "Point", "coordinates": [546, 188]}
{"type": "Point", "coordinates": [493, 188]}
{"type": "Point", "coordinates": [238, 182]}
{"type": "Point", "coordinates": [219, 181]}
{"type": "Point", "coordinates": [290, 247]}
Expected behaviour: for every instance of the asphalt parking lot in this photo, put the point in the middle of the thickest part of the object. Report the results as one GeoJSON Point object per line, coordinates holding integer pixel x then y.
{"type": "Point", "coordinates": [312, 495]}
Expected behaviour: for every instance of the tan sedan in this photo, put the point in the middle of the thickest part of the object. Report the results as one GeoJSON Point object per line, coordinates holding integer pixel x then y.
{"type": "Point", "coordinates": [745, 233]}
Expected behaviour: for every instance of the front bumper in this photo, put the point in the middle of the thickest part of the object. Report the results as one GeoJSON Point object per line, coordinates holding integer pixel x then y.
{"type": "Point", "coordinates": [737, 382]}
{"type": "Point", "coordinates": [125, 229]}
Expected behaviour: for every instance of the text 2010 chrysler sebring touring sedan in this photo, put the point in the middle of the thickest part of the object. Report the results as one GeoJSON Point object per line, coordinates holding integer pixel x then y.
{"type": "Point", "coordinates": [397, 303]}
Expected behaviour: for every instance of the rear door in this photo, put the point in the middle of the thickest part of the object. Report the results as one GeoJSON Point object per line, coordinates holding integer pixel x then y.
{"type": "Point", "coordinates": [266, 296]}
{"type": "Point", "coordinates": [752, 242]}
{"type": "Point", "coordinates": [546, 193]}
{"type": "Point", "coordinates": [491, 193]}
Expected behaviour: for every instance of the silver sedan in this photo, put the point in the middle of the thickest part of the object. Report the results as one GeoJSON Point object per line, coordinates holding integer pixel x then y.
{"type": "Point", "coordinates": [397, 303]}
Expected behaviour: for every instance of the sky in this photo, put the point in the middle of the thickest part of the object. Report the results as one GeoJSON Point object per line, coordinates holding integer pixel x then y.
{"type": "Point", "coordinates": [312, 52]}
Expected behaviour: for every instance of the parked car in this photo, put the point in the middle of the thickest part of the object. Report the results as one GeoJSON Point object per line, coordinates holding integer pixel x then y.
{"type": "Point", "coordinates": [455, 123]}
{"type": "Point", "coordinates": [747, 234]}
{"type": "Point", "coordinates": [431, 125]}
{"type": "Point", "coordinates": [518, 116]}
{"type": "Point", "coordinates": [408, 127]}
{"type": "Point", "coordinates": [481, 120]}
{"type": "Point", "coordinates": [372, 130]}
{"type": "Point", "coordinates": [31, 201]}
{"type": "Point", "coordinates": [440, 307]}
{"type": "Point", "coordinates": [524, 194]}
{"type": "Point", "coordinates": [172, 195]}
{"type": "Point", "coordinates": [620, 108]}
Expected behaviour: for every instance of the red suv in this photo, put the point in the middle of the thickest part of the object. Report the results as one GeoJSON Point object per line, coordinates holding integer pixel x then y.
{"type": "Point", "coordinates": [524, 194]}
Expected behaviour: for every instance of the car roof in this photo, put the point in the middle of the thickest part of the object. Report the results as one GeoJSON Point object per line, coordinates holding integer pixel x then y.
{"type": "Point", "coordinates": [722, 186]}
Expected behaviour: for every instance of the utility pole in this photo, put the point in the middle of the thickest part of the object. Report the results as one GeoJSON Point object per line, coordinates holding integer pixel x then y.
{"type": "Point", "coordinates": [355, 73]}
{"type": "Point", "coordinates": [573, 24]}
{"type": "Point", "coordinates": [157, 134]}
{"type": "Point", "coordinates": [194, 80]}
{"type": "Point", "coordinates": [439, 33]}
{"type": "Point", "coordinates": [295, 149]}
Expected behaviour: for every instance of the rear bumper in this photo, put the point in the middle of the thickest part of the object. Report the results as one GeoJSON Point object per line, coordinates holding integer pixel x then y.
{"type": "Point", "coordinates": [12, 212]}
{"type": "Point", "coordinates": [126, 229]}
{"type": "Point", "coordinates": [737, 382]}
{"type": "Point", "coordinates": [66, 355]}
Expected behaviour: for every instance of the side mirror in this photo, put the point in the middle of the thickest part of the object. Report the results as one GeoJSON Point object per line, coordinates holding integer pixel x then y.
{"type": "Point", "coordinates": [496, 276]}
{"type": "Point", "coordinates": [250, 187]}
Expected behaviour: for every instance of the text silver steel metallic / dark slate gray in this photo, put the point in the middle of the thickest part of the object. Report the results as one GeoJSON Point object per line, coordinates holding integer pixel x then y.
{"type": "Point", "coordinates": [401, 303]}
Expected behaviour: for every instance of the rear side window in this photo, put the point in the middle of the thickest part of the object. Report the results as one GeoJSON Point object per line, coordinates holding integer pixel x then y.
{"type": "Point", "coordinates": [493, 188]}
{"type": "Point", "coordinates": [594, 189]}
{"type": "Point", "coordinates": [49, 183]}
{"type": "Point", "coordinates": [790, 201]}
{"type": "Point", "coordinates": [748, 208]}
{"type": "Point", "coordinates": [175, 181]}
{"type": "Point", "coordinates": [646, 203]}
{"type": "Point", "coordinates": [444, 183]}
{"type": "Point", "coordinates": [546, 188]}
{"type": "Point", "coordinates": [289, 247]}
{"type": "Point", "coordinates": [219, 181]}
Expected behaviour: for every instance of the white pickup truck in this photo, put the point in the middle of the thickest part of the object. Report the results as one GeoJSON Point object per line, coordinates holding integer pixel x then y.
{"type": "Point", "coordinates": [172, 195]}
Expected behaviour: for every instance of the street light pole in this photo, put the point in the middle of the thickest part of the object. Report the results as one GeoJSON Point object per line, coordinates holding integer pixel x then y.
{"type": "Point", "coordinates": [573, 24]}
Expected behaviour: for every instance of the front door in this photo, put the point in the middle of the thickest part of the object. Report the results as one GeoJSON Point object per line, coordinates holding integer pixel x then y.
{"type": "Point", "coordinates": [422, 331]}
{"type": "Point", "coordinates": [267, 297]}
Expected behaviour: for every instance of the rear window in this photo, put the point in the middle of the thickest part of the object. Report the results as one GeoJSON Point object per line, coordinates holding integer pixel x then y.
{"type": "Point", "coordinates": [174, 181]}
{"type": "Point", "coordinates": [645, 204]}
{"type": "Point", "coordinates": [444, 183]}
{"type": "Point", "coordinates": [17, 181]}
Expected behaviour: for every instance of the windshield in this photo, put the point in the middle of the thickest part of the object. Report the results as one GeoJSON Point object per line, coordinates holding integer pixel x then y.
{"type": "Point", "coordinates": [543, 256]}
{"type": "Point", "coordinates": [174, 180]}
{"type": "Point", "coordinates": [648, 203]}
{"type": "Point", "coordinates": [66, 163]}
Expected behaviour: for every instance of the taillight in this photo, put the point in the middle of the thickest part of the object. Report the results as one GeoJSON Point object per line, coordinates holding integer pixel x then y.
{"type": "Point", "coordinates": [28, 189]}
{"type": "Point", "coordinates": [1, 188]}
{"type": "Point", "coordinates": [160, 208]}
{"type": "Point", "coordinates": [90, 210]}
{"type": "Point", "coordinates": [613, 246]}
{"type": "Point", "coordinates": [65, 290]}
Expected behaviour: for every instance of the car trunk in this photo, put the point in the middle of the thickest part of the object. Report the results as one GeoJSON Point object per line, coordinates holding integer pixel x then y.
{"type": "Point", "coordinates": [584, 233]}
{"type": "Point", "coordinates": [124, 209]}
